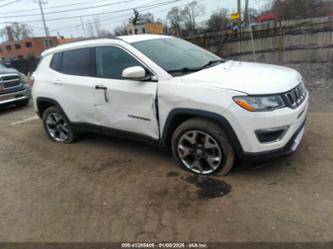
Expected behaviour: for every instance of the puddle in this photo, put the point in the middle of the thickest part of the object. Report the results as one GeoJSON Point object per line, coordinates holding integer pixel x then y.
{"type": "Point", "coordinates": [173, 174]}
{"type": "Point", "coordinates": [209, 188]}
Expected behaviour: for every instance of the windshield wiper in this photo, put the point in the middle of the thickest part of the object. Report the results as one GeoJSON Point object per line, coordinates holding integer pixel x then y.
{"type": "Point", "coordinates": [183, 70]}
{"type": "Point", "coordinates": [187, 69]}
{"type": "Point", "coordinates": [210, 63]}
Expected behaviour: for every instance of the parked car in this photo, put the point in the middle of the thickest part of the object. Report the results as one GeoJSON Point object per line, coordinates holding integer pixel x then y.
{"type": "Point", "coordinates": [13, 88]}
{"type": "Point", "coordinates": [209, 111]}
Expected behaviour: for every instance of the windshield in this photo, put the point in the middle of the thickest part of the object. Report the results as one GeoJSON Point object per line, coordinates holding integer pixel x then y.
{"type": "Point", "coordinates": [176, 55]}
{"type": "Point", "coordinates": [2, 65]}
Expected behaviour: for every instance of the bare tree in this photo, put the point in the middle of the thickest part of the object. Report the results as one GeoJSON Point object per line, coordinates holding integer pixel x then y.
{"type": "Point", "coordinates": [90, 29]}
{"type": "Point", "coordinates": [148, 17]}
{"type": "Point", "coordinates": [97, 26]}
{"type": "Point", "coordinates": [19, 31]}
{"type": "Point", "coordinates": [120, 30]}
{"type": "Point", "coordinates": [105, 33]}
{"type": "Point", "coordinates": [175, 19]}
{"type": "Point", "coordinates": [293, 9]}
{"type": "Point", "coordinates": [218, 20]}
{"type": "Point", "coordinates": [252, 12]}
{"type": "Point", "coordinates": [190, 14]}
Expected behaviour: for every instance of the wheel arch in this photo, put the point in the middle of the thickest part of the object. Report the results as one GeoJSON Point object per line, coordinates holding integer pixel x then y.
{"type": "Point", "coordinates": [44, 103]}
{"type": "Point", "coordinates": [177, 116]}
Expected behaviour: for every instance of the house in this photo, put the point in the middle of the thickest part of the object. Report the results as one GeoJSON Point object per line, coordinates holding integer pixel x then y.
{"type": "Point", "coordinates": [63, 40]}
{"type": "Point", "coordinates": [27, 48]}
{"type": "Point", "coordinates": [266, 17]}
{"type": "Point", "coordinates": [145, 28]}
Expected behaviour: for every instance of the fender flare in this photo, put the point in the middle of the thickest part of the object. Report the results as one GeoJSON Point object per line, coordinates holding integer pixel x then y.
{"type": "Point", "coordinates": [222, 121]}
{"type": "Point", "coordinates": [48, 100]}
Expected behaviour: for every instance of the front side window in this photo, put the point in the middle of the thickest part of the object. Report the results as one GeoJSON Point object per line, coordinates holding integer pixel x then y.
{"type": "Point", "coordinates": [111, 61]}
{"type": "Point", "coordinates": [76, 62]}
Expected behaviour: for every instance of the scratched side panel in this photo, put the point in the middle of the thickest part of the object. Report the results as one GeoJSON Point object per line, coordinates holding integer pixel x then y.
{"type": "Point", "coordinates": [174, 94]}
{"type": "Point", "coordinates": [131, 106]}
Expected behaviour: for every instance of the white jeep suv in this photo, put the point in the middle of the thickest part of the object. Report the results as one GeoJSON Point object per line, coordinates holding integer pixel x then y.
{"type": "Point", "coordinates": [208, 110]}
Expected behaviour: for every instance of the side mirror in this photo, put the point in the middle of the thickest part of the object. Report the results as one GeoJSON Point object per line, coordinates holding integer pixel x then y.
{"type": "Point", "coordinates": [135, 73]}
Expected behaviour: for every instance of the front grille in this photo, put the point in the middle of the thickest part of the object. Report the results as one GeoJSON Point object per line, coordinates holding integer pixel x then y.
{"type": "Point", "coordinates": [296, 96]}
{"type": "Point", "coordinates": [9, 81]}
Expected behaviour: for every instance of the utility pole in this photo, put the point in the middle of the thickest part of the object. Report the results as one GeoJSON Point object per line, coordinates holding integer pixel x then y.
{"type": "Point", "coordinates": [239, 9]}
{"type": "Point", "coordinates": [246, 12]}
{"type": "Point", "coordinates": [84, 30]}
{"type": "Point", "coordinates": [40, 3]}
{"type": "Point", "coordinates": [247, 20]}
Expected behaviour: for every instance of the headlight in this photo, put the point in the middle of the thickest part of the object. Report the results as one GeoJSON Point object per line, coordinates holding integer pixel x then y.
{"type": "Point", "coordinates": [260, 103]}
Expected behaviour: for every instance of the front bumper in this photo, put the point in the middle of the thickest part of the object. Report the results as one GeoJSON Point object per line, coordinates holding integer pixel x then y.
{"type": "Point", "coordinates": [250, 159]}
{"type": "Point", "coordinates": [245, 124]}
{"type": "Point", "coordinates": [16, 95]}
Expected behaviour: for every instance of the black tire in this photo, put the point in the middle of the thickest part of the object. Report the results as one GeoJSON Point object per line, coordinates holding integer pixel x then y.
{"type": "Point", "coordinates": [71, 135]}
{"type": "Point", "coordinates": [218, 138]}
{"type": "Point", "coordinates": [22, 103]}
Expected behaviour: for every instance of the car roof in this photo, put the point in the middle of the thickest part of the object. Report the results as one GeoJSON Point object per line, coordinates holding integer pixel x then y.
{"type": "Point", "coordinates": [143, 37]}
{"type": "Point", "coordinates": [103, 41]}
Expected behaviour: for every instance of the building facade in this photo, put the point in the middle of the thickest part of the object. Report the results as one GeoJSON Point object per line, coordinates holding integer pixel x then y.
{"type": "Point", "coordinates": [27, 48]}
{"type": "Point", "coordinates": [145, 28]}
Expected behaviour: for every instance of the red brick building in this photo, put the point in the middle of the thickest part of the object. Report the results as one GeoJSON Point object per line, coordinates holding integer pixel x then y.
{"type": "Point", "coordinates": [27, 48]}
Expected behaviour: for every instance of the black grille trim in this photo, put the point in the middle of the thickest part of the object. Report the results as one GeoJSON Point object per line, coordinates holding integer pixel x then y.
{"type": "Point", "coordinates": [295, 97]}
{"type": "Point", "coordinates": [9, 81]}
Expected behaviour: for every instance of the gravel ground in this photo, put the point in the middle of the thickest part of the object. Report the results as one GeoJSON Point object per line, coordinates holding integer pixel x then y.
{"type": "Point", "coordinates": [318, 78]}
{"type": "Point", "coordinates": [107, 189]}
{"type": "Point", "coordinates": [316, 75]}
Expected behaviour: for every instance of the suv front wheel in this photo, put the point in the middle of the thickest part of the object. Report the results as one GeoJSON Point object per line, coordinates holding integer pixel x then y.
{"type": "Point", "coordinates": [57, 125]}
{"type": "Point", "coordinates": [202, 147]}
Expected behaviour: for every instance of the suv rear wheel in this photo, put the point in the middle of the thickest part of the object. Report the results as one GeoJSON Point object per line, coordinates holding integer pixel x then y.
{"type": "Point", "coordinates": [202, 147]}
{"type": "Point", "coordinates": [57, 125]}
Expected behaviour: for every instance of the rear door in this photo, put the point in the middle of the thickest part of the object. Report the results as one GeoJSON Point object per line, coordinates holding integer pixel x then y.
{"type": "Point", "coordinates": [123, 104]}
{"type": "Point", "coordinates": [73, 84]}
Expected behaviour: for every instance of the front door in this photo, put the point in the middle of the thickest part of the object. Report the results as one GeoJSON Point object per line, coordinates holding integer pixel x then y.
{"type": "Point", "coordinates": [122, 104]}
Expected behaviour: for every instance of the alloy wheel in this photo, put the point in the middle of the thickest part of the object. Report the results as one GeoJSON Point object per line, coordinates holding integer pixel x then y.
{"type": "Point", "coordinates": [199, 152]}
{"type": "Point", "coordinates": [57, 127]}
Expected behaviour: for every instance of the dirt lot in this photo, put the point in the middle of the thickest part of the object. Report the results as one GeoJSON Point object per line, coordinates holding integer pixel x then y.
{"type": "Point", "coordinates": [107, 189]}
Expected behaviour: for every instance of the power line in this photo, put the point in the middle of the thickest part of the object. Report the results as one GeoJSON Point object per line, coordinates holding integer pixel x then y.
{"type": "Point", "coordinates": [9, 3]}
{"type": "Point", "coordinates": [58, 6]}
{"type": "Point", "coordinates": [115, 17]}
{"type": "Point", "coordinates": [103, 13]}
{"type": "Point", "coordinates": [108, 19]}
{"type": "Point", "coordinates": [69, 10]}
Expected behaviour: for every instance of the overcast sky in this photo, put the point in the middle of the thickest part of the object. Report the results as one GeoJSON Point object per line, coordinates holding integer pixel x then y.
{"type": "Point", "coordinates": [115, 12]}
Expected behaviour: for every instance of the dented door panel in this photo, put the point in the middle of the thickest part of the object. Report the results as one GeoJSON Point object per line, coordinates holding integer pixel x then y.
{"type": "Point", "coordinates": [130, 107]}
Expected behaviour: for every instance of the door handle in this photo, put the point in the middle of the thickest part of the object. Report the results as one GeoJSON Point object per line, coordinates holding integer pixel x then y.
{"type": "Point", "coordinates": [101, 87]}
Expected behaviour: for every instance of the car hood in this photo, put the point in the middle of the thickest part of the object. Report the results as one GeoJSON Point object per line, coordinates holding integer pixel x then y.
{"type": "Point", "coordinates": [8, 70]}
{"type": "Point", "coordinates": [247, 77]}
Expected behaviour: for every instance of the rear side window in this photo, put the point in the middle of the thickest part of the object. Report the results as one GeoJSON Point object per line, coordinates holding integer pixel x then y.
{"type": "Point", "coordinates": [76, 62]}
{"type": "Point", "coordinates": [56, 62]}
{"type": "Point", "coordinates": [111, 61]}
